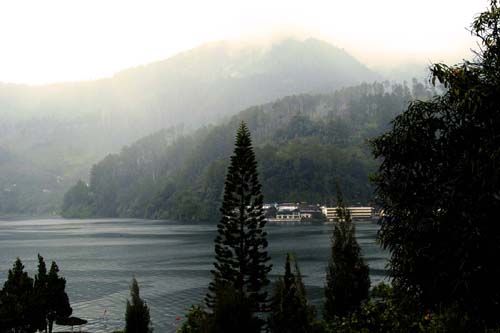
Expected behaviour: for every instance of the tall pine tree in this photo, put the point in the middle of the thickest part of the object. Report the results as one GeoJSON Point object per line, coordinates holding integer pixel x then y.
{"type": "Point", "coordinates": [347, 277]}
{"type": "Point", "coordinates": [241, 259]}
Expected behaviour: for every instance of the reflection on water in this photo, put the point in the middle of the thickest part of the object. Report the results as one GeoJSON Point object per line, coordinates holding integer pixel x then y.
{"type": "Point", "coordinates": [170, 260]}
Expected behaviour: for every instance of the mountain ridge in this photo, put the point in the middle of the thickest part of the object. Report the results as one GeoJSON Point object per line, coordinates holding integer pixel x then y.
{"type": "Point", "coordinates": [60, 130]}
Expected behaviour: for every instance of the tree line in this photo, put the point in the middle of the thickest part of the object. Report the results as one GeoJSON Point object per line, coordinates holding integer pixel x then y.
{"type": "Point", "coordinates": [30, 305]}
{"type": "Point", "coordinates": [304, 143]}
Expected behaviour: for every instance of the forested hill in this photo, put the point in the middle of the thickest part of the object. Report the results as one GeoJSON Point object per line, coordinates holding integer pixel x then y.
{"type": "Point", "coordinates": [304, 144]}
{"type": "Point", "coordinates": [51, 135]}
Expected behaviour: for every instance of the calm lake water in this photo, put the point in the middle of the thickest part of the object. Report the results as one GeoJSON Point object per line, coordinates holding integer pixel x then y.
{"type": "Point", "coordinates": [170, 260]}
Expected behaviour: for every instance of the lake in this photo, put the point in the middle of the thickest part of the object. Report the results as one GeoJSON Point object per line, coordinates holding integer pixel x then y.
{"type": "Point", "coordinates": [171, 261]}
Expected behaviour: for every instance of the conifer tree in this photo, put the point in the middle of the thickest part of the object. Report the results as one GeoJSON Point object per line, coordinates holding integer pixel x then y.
{"type": "Point", "coordinates": [41, 295]}
{"type": "Point", "coordinates": [137, 318]}
{"type": "Point", "coordinates": [290, 311]}
{"type": "Point", "coordinates": [347, 276]}
{"type": "Point", "coordinates": [241, 259]}
{"type": "Point", "coordinates": [57, 301]}
{"type": "Point", "coordinates": [16, 300]}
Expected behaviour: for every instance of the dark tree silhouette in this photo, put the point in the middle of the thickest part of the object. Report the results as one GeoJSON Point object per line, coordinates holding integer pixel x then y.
{"type": "Point", "coordinates": [41, 295]}
{"type": "Point", "coordinates": [197, 321]}
{"type": "Point", "coordinates": [57, 302]}
{"type": "Point", "coordinates": [137, 318]}
{"type": "Point", "coordinates": [439, 186]}
{"type": "Point", "coordinates": [347, 275]}
{"type": "Point", "coordinates": [27, 305]}
{"type": "Point", "coordinates": [16, 301]}
{"type": "Point", "coordinates": [241, 259]}
{"type": "Point", "coordinates": [290, 310]}
{"type": "Point", "coordinates": [233, 312]}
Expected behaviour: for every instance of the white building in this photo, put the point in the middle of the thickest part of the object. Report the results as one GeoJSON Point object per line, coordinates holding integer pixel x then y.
{"type": "Point", "coordinates": [357, 213]}
{"type": "Point", "coordinates": [288, 215]}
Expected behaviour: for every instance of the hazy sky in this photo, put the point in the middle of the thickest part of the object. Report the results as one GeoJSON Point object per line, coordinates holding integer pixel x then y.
{"type": "Point", "coordinates": [61, 40]}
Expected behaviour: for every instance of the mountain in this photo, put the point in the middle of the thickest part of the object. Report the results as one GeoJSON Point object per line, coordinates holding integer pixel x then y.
{"type": "Point", "coordinates": [304, 145]}
{"type": "Point", "coordinates": [54, 133]}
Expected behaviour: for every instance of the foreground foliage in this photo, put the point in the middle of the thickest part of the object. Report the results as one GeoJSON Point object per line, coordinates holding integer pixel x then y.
{"type": "Point", "coordinates": [28, 305]}
{"type": "Point", "coordinates": [290, 309]}
{"type": "Point", "coordinates": [388, 310]}
{"type": "Point", "coordinates": [347, 275]}
{"type": "Point", "coordinates": [231, 312]}
{"type": "Point", "coordinates": [439, 186]}
{"type": "Point", "coordinates": [137, 318]}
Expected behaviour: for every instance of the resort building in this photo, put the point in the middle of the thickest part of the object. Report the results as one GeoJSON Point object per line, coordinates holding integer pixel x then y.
{"type": "Point", "coordinates": [310, 212]}
{"type": "Point", "coordinates": [306, 213]}
{"type": "Point", "coordinates": [357, 213]}
{"type": "Point", "coordinates": [288, 215]}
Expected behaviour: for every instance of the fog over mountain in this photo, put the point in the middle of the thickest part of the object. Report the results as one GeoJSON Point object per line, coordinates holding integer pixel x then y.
{"type": "Point", "coordinates": [51, 135]}
{"type": "Point", "coordinates": [405, 72]}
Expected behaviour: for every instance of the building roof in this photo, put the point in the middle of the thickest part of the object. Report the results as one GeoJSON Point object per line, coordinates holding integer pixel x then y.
{"type": "Point", "coordinates": [288, 212]}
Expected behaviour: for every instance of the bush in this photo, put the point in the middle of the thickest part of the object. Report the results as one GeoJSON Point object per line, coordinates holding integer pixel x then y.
{"type": "Point", "coordinates": [197, 321]}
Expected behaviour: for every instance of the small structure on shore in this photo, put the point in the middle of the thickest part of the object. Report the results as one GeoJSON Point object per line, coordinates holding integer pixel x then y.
{"type": "Point", "coordinates": [72, 321]}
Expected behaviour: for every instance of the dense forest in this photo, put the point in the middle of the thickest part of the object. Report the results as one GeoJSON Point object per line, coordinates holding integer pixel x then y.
{"type": "Point", "coordinates": [304, 145]}
{"type": "Point", "coordinates": [51, 135]}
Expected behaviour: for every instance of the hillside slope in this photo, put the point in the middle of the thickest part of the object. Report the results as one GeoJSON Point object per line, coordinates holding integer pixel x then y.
{"type": "Point", "coordinates": [304, 145]}
{"type": "Point", "coordinates": [60, 130]}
